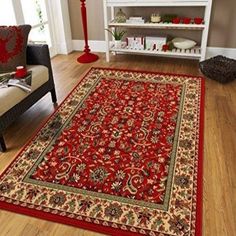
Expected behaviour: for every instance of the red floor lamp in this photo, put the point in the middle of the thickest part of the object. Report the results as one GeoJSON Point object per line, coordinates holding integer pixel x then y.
{"type": "Point", "coordinates": [87, 57]}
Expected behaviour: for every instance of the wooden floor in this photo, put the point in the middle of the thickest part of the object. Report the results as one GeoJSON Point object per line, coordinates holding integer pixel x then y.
{"type": "Point", "coordinates": [219, 210]}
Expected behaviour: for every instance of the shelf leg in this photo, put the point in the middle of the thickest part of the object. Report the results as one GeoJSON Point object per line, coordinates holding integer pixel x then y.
{"type": "Point", "coordinates": [207, 17]}
{"type": "Point", "coordinates": [106, 32]}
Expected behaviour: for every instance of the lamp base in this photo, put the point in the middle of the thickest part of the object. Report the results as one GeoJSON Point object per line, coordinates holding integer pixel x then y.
{"type": "Point", "coordinates": [87, 57]}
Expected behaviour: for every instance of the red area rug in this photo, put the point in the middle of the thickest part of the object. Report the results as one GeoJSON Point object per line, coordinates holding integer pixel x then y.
{"type": "Point", "coordinates": [121, 155]}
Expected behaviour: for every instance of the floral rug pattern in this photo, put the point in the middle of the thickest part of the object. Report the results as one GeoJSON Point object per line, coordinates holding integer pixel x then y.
{"type": "Point", "coordinates": [122, 152]}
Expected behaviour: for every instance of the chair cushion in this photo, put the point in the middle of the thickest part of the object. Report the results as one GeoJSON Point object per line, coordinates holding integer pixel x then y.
{"type": "Point", "coordinates": [11, 96]}
{"type": "Point", "coordinates": [13, 43]}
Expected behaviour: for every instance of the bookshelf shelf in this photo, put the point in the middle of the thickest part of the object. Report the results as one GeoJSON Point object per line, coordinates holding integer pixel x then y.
{"type": "Point", "coordinates": [194, 53]}
{"type": "Point", "coordinates": [159, 26]}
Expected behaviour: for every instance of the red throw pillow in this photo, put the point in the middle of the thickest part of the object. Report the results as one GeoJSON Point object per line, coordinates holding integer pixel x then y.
{"type": "Point", "coordinates": [13, 43]}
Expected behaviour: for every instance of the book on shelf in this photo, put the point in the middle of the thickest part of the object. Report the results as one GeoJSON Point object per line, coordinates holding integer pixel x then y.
{"type": "Point", "coordinates": [135, 20]}
{"type": "Point", "coordinates": [147, 42]}
{"type": "Point", "coordinates": [136, 42]}
{"type": "Point", "coordinates": [9, 79]}
{"type": "Point", "coordinates": [155, 43]}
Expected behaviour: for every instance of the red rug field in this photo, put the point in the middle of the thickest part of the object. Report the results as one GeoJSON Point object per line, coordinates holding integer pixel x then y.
{"type": "Point", "coordinates": [121, 155]}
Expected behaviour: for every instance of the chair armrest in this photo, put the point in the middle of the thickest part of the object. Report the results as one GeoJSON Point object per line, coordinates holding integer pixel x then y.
{"type": "Point", "coordinates": [38, 54]}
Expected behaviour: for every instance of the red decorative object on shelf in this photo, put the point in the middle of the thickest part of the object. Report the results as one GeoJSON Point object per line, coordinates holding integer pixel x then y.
{"type": "Point", "coordinates": [165, 47]}
{"type": "Point", "coordinates": [198, 20]}
{"type": "Point", "coordinates": [186, 20]}
{"type": "Point", "coordinates": [176, 20]}
{"type": "Point", "coordinates": [87, 57]}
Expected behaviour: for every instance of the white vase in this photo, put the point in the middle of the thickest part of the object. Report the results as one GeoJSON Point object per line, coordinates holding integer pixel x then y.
{"type": "Point", "coordinates": [118, 43]}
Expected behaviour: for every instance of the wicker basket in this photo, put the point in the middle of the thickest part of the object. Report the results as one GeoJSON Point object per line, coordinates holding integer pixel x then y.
{"type": "Point", "coordinates": [219, 68]}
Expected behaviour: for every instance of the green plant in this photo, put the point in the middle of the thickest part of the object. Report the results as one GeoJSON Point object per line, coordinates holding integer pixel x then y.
{"type": "Point", "coordinates": [116, 33]}
{"type": "Point", "coordinates": [40, 15]}
{"type": "Point", "coordinates": [168, 17]}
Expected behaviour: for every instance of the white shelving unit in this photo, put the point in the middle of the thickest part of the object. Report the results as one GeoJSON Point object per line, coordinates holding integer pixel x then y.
{"type": "Point", "coordinates": [195, 53]}
{"type": "Point", "coordinates": [160, 25]}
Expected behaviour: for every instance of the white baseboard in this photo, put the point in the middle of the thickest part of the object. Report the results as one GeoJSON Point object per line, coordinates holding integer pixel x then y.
{"type": "Point", "coordinates": [100, 46]}
{"type": "Point", "coordinates": [94, 45]}
{"type": "Point", "coordinates": [227, 52]}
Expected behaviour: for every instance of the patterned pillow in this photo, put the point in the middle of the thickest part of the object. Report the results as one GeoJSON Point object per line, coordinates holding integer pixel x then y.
{"type": "Point", "coordinates": [13, 43]}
